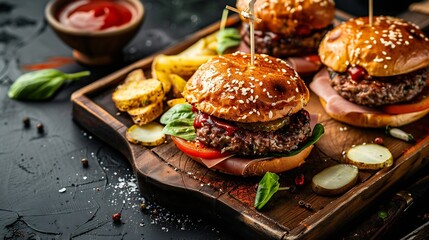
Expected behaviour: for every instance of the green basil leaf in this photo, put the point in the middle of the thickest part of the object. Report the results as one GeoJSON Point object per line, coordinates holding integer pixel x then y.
{"type": "Point", "coordinates": [178, 111]}
{"type": "Point", "coordinates": [183, 128]}
{"type": "Point", "coordinates": [268, 185]}
{"type": "Point", "coordinates": [41, 84]}
{"type": "Point", "coordinates": [47, 89]}
{"type": "Point", "coordinates": [227, 38]}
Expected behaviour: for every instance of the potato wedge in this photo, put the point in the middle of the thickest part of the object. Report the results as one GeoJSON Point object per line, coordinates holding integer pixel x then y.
{"type": "Point", "coordinates": [178, 84]}
{"type": "Point", "coordinates": [135, 75]}
{"type": "Point", "coordinates": [163, 77]}
{"type": "Point", "coordinates": [369, 156]}
{"type": "Point", "coordinates": [184, 66]}
{"type": "Point", "coordinates": [335, 180]}
{"type": "Point", "coordinates": [203, 47]}
{"type": "Point", "coordinates": [175, 101]}
{"type": "Point", "coordinates": [135, 94]}
{"type": "Point", "coordinates": [146, 135]}
{"type": "Point", "coordinates": [146, 114]}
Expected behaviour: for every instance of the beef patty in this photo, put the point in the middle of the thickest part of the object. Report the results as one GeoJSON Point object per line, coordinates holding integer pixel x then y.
{"type": "Point", "coordinates": [377, 91]}
{"type": "Point", "coordinates": [247, 142]}
{"type": "Point", "coordinates": [276, 45]}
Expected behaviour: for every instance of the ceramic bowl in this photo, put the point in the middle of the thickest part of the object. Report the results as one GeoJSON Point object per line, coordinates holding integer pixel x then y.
{"type": "Point", "coordinates": [95, 47]}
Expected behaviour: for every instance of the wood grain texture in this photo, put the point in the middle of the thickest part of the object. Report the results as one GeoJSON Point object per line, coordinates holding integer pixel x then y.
{"type": "Point", "coordinates": [164, 171]}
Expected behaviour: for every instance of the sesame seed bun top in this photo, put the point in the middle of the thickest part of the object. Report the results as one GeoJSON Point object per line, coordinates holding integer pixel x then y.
{"type": "Point", "coordinates": [390, 47]}
{"type": "Point", "coordinates": [228, 87]}
{"type": "Point", "coordinates": [289, 17]}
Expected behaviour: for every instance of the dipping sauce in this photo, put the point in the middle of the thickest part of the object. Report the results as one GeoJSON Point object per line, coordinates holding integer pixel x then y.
{"type": "Point", "coordinates": [96, 15]}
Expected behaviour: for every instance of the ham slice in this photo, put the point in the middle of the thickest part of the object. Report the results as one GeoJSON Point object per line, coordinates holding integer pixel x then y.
{"type": "Point", "coordinates": [303, 66]}
{"type": "Point", "coordinates": [335, 104]}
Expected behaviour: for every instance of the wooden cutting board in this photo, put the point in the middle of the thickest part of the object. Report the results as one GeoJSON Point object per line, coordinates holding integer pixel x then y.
{"type": "Point", "coordinates": [167, 176]}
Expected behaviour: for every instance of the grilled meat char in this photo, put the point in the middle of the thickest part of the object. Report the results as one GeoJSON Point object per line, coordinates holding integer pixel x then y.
{"type": "Point", "coordinates": [252, 140]}
{"type": "Point", "coordinates": [378, 91]}
{"type": "Point", "coordinates": [274, 44]}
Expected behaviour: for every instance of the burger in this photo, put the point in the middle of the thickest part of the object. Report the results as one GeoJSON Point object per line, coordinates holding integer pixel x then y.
{"type": "Point", "coordinates": [249, 119]}
{"type": "Point", "coordinates": [376, 75]}
{"type": "Point", "coordinates": [287, 27]}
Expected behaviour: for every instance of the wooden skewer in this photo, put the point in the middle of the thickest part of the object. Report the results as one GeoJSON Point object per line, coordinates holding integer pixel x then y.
{"type": "Point", "coordinates": [252, 32]}
{"type": "Point", "coordinates": [370, 12]}
{"type": "Point", "coordinates": [249, 13]}
{"type": "Point", "coordinates": [244, 14]}
{"type": "Point", "coordinates": [223, 20]}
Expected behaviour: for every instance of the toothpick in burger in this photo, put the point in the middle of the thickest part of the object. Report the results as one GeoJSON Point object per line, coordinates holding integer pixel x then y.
{"type": "Point", "coordinates": [290, 30]}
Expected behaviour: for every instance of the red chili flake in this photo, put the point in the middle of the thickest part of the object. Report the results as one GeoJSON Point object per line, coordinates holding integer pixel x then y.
{"type": "Point", "coordinates": [378, 140]}
{"type": "Point", "coordinates": [116, 217]}
{"type": "Point", "coordinates": [299, 179]}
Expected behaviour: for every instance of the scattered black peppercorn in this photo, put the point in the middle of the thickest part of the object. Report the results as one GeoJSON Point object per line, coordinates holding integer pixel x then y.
{"type": "Point", "coordinates": [26, 122]}
{"type": "Point", "coordinates": [84, 162]}
{"type": "Point", "coordinates": [40, 128]}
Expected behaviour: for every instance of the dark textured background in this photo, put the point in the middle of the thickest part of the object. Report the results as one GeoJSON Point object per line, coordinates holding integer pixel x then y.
{"type": "Point", "coordinates": [34, 166]}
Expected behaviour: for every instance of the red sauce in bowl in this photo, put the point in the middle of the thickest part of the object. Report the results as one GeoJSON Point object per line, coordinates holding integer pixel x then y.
{"type": "Point", "coordinates": [96, 15]}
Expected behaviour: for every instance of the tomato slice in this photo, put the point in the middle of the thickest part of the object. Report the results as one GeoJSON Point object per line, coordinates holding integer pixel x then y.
{"type": "Point", "coordinates": [419, 104]}
{"type": "Point", "coordinates": [197, 149]}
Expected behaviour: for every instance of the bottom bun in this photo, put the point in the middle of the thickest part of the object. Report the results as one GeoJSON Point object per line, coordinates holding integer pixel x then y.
{"type": "Point", "coordinates": [257, 167]}
{"type": "Point", "coordinates": [376, 120]}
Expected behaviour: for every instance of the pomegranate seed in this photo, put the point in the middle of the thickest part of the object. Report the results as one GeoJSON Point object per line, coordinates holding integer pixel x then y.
{"type": "Point", "coordinates": [116, 217]}
{"type": "Point", "coordinates": [299, 180]}
{"type": "Point", "coordinates": [378, 140]}
{"type": "Point", "coordinates": [357, 73]}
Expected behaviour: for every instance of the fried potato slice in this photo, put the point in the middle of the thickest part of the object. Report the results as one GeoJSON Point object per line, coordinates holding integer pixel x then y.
{"type": "Point", "coordinates": [146, 114]}
{"type": "Point", "coordinates": [135, 75]}
{"type": "Point", "coordinates": [136, 94]}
